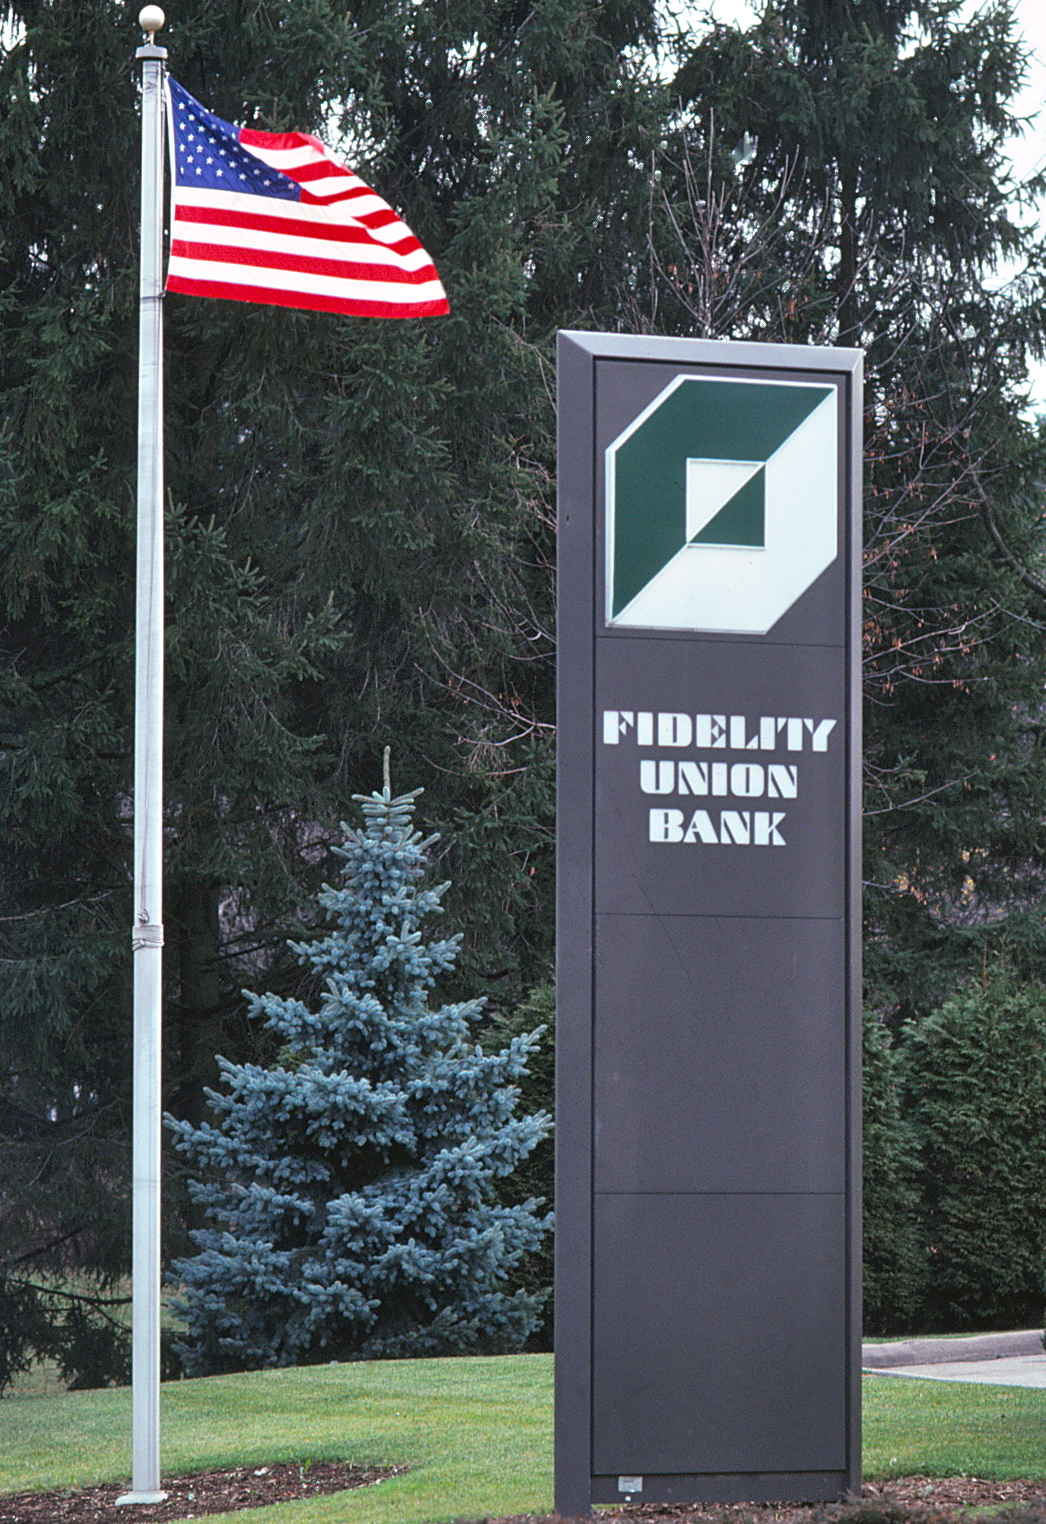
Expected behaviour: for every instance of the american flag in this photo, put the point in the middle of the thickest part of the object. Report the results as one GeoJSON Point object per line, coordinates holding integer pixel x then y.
{"type": "Point", "coordinates": [273, 217]}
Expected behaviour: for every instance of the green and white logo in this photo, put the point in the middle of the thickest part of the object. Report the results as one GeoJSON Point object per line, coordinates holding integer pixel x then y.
{"type": "Point", "coordinates": [722, 502]}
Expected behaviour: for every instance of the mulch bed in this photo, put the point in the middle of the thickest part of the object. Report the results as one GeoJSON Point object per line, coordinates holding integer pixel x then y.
{"type": "Point", "coordinates": [920, 1499]}
{"type": "Point", "coordinates": [193, 1497]}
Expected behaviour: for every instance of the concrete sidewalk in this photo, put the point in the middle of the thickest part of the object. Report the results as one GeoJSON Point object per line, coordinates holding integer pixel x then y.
{"type": "Point", "coordinates": [1000, 1359]}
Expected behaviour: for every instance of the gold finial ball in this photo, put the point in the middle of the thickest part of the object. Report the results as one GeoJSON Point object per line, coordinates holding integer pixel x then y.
{"type": "Point", "coordinates": [151, 18]}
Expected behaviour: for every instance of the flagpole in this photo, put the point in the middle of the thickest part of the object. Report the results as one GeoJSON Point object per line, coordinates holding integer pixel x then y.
{"type": "Point", "coordinates": [147, 931]}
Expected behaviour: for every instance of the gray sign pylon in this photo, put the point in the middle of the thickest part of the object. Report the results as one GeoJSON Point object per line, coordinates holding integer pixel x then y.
{"type": "Point", "coordinates": [708, 965]}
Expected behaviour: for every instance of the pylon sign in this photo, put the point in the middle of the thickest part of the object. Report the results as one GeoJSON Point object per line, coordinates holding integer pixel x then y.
{"type": "Point", "coordinates": [708, 1031]}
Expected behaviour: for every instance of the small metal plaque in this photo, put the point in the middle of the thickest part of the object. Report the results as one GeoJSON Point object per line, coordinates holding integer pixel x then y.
{"type": "Point", "coordinates": [630, 1484]}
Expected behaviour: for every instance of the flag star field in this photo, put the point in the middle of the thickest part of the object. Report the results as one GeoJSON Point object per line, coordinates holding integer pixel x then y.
{"type": "Point", "coordinates": [208, 154]}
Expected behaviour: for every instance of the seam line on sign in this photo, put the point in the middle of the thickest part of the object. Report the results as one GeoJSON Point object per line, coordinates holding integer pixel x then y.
{"type": "Point", "coordinates": [715, 915]}
{"type": "Point", "coordinates": [603, 1476]}
{"type": "Point", "coordinates": [711, 637]}
{"type": "Point", "coordinates": [819, 1195]}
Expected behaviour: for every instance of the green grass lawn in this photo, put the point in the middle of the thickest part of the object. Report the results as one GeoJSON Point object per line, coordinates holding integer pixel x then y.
{"type": "Point", "coordinates": [477, 1433]}
{"type": "Point", "coordinates": [952, 1428]}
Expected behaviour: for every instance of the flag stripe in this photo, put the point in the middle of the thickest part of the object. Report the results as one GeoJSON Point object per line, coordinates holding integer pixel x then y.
{"type": "Point", "coordinates": [305, 210]}
{"type": "Point", "coordinates": [277, 142]}
{"type": "Point", "coordinates": [297, 227]}
{"type": "Point", "coordinates": [274, 217]}
{"type": "Point", "coordinates": [305, 264]}
{"type": "Point", "coordinates": [263, 277]}
{"type": "Point", "coordinates": [239, 230]}
{"type": "Point", "coordinates": [303, 173]}
{"type": "Point", "coordinates": [355, 305]}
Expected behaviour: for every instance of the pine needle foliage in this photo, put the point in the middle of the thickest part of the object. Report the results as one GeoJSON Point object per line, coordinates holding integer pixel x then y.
{"type": "Point", "coordinates": [894, 1259]}
{"type": "Point", "coordinates": [975, 1082]}
{"type": "Point", "coordinates": [352, 1187]}
{"type": "Point", "coordinates": [880, 211]}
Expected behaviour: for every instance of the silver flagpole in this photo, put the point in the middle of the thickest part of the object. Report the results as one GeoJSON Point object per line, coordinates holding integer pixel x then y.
{"type": "Point", "coordinates": [147, 931]}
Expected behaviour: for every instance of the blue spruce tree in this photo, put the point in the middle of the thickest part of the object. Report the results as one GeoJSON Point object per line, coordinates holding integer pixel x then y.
{"type": "Point", "coordinates": [352, 1187]}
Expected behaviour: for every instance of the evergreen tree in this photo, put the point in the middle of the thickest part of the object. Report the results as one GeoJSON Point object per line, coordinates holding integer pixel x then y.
{"type": "Point", "coordinates": [536, 1176]}
{"type": "Point", "coordinates": [361, 528]}
{"type": "Point", "coordinates": [877, 211]}
{"type": "Point", "coordinates": [894, 1262]}
{"type": "Point", "coordinates": [359, 531]}
{"type": "Point", "coordinates": [351, 1185]}
{"type": "Point", "coordinates": [975, 1092]}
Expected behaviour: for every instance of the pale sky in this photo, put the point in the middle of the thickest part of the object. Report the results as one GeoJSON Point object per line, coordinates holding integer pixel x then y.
{"type": "Point", "coordinates": [1029, 152]}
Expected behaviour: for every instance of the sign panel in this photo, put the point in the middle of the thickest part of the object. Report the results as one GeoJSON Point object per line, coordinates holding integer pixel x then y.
{"type": "Point", "coordinates": [708, 1032]}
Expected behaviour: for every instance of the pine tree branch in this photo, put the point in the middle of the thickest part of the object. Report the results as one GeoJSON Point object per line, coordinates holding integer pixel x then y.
{"type": "Point", "coordinates": [78, 1298]}
{"type": "Point", "coordinates": [987, 514]}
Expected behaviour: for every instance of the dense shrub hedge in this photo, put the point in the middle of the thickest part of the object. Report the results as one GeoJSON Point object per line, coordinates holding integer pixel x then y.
{"type": "Point", "coordinates": [974, 1092]}
{"type": "Point", "coordinates": [894, 1257]}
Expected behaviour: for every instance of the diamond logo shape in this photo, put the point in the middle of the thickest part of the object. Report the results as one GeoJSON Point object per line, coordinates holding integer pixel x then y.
{"type": "Point", "coordinates": [721, 504]}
